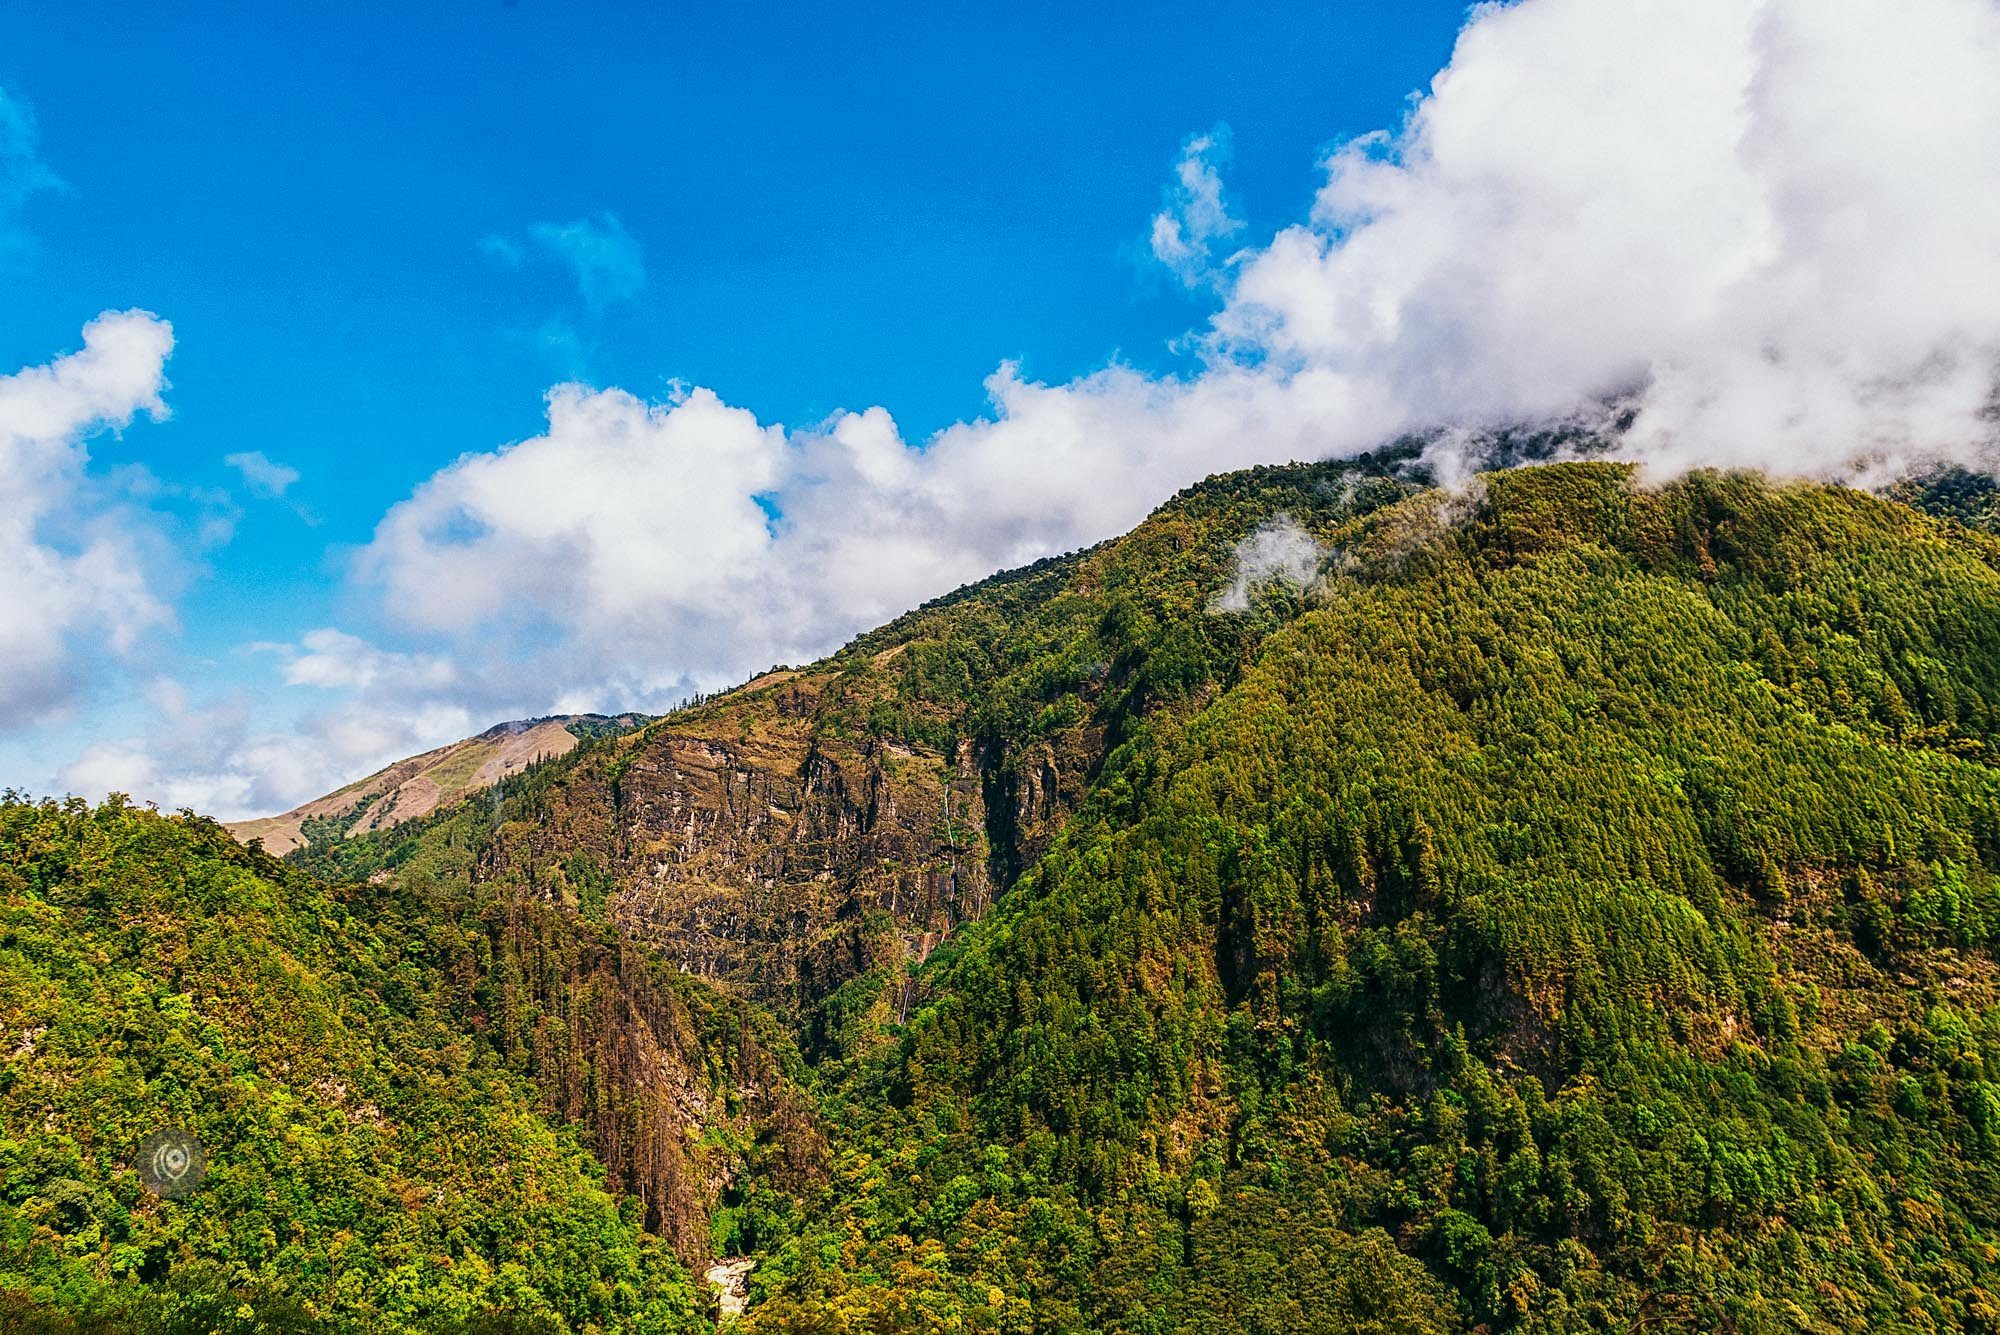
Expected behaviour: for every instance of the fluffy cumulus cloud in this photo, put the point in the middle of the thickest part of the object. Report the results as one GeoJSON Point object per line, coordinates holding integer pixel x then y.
{"type": "Point", "coordinates": [622, 510]}
{"type": "Point", "coordinates": [73, 566]}
{"type": "Point", "coordinates": [227, 754]}
{"type": "Point", "coordinates": [1769, 229]}
{"type": "Point", "coordinates": [636, 551]}
{"type": "Point", "coordinates": [382, 704]}
{"type": "Point", "coordinates": [1771, 222]}
{"type": "Point", "coordinates": [206, 756]}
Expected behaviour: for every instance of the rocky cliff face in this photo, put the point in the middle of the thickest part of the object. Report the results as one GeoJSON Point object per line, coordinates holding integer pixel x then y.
{"type": "Point", "coordinates": [757, 843]}
{"type": "Point", "coordinates": [638, 1063]}
{"type": "Point", "coordinates": [760, 858]}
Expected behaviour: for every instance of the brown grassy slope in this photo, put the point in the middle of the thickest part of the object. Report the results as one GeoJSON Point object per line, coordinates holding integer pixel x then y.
{"type": "Point", "coordinates": [419, 785]}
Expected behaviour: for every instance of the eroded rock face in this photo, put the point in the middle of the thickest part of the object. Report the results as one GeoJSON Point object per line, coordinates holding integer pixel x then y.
{"type": "Point", "coordinates": [770, 860]}
{"type": "Point", "coordinates": [759, 844]}
{"type": "Point", "coordinates": [631, 1058]}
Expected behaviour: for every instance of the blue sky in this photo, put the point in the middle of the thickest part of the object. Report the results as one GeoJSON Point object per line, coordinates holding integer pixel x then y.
{"type": "Point", "coordinates": [837, 205]}
{"type": "Point", "coordinates": [383, 236]}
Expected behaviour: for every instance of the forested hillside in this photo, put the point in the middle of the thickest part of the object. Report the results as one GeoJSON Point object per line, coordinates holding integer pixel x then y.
{"type": "Point", "coordinates": [1581, 916]}
{"type": "Point", "coordinates": [1555, 904]}
{"type": "Point", "coordinates": [388, 1091]}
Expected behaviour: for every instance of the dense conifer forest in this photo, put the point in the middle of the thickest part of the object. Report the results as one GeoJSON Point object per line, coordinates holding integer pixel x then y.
{"type": "Point", "coordinates": [1563, 903]}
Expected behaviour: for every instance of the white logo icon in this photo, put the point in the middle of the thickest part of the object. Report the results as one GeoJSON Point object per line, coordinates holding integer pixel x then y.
{"type": "Point", "coordinates": [171, 1163]}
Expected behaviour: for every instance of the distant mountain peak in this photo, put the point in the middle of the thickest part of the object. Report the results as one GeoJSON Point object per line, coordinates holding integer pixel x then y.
{"type": "Point", "coordinates": [416, 786]}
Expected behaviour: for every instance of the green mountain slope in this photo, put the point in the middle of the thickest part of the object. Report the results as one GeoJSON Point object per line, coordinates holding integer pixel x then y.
{"type": "Point", "coordinates": [1580, 917]}
{"type": "Point", "coordinates": [373, 1078]}
{"type": "Point", "coordinates": [1574, 911]}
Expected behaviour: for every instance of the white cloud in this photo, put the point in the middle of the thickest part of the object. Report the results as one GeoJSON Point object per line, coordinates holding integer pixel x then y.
{"type": "Point", "coordinates": [212, 762]}
{"type": "Point", "coordinates": [1196, 217]}
{"type": "Point", "coordinates": [261, 475]}
{"type": "Point", "coordinates": [380, 705]}
{"type": "Point", "coordinates": [1278, 550]}
{"type": "Point", "coordinates": [620, 501]}
{"type": "Point", "coordinates": [219, 761]}
{"type": "Point", "coordinates": [334, 660]}
{"type": "Point", "coordinates": [73, 565]}
{"type": "Point", "coordinates": [233, 753]}
{"type": "Point", "coordinates": [1773, 222]}
{"type": "Point", "coordinates": [502, 250]}
{"type": "Point", "coordinates": [631, 551]}
{"type": "Point", "coordinates": [609, 265]}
